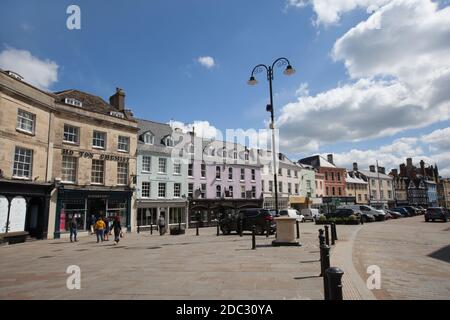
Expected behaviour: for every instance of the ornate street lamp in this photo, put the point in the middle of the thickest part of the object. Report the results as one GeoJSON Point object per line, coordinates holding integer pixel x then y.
{"type": "Point", "coordinates": [280, 62]}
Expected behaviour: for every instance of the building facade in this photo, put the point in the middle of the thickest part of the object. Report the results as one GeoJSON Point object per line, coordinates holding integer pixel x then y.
{"type": "Point", "coordinates": [93, 159]}
{"type": "Point", "coordinates": [161, 176]}
{"type": "Point", "coordinates": [222, 177]}
{"type": "Point", "coordinates": [25, 174]}
{"type": "Point", "coordinates": [444, 192]}
{"type": "Point", "coordinates": [334, 181]}
{"type": "Point", "coordinates": [357, 187]}
{"type": "Point", "coordinates": [380, 186]}
{"type": "Point", "coordinates": [64, 154]}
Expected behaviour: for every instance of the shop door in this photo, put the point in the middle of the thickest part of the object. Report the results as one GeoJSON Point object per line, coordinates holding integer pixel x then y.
{"type": "Point", "coordinates": [97, 207]}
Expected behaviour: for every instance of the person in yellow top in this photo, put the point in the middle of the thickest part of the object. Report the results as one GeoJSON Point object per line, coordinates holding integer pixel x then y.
{"type": "Point", "coordinates": [99, 229]}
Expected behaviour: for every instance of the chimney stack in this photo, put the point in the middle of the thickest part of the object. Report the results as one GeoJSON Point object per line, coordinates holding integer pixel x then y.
{"type": "Point", "coordinates": [372, 168]}
{"type": "Point", "coordinates": [409, 162]}
{"type": "Point", "coordinates": [394, 172]}
{"type": "Point", "coordinates": [355, 166]}
{"type": "Point", "coordinates": [403, 170]}
{"type": "Point", "coordinates": [422, 168]}
{"type": "Point", "coordinates": [117, 100]}
{"type": "Point", "coordinates": [330, 158]}
{"type": "Point", "coordinates": [382, 170]}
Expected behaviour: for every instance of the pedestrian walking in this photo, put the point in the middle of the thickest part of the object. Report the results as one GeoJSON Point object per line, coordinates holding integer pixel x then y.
{"type": "Point", "coordinates": [99, 229]}
{"type": "Point", "coordinates": [92, 224]}
{"type": "Point", "coordinates": [117, 229]}
{"type": "Point", "coordinates": [161, 225]}
{"type": "Point", "coordinates": [106, 231]}
{"type": "Point", "coordinates": [73, 229]}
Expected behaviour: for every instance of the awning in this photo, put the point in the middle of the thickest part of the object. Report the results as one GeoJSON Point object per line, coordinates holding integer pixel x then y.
{"type": "Point", "coordinates": [298, 200]}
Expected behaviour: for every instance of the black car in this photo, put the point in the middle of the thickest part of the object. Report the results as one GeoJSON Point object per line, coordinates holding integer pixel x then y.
{"type": "Point", "coordinates": [259, 217]}
{"type": "Point", "coordinates": [402, 211]}
{"type": "Point", "coordinates": [412, 211]}
{"type": "Point", "coordinates": [436, 213]}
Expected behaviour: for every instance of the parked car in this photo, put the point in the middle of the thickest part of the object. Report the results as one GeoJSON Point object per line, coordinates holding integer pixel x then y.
{"type": "Point", "coordinates": [412, 211]}
{"type": "Point", "coordinates": [366, 210]}
{"type": "Point", "coordinates": [347, 212]}
{"type": "Point", "coordinates": [393, 214]}
{"type": "Point", "coordinates": [436, 213]}
{"type": "Point", "coordinates": [422, 209]}
{"type": "Point", "coordinates": [254, 216]}
{"type": "Point", "coordinates": [293, 214]}
{"type": "Point", "coordinates": [402, 211]}
{"type": "Point", "coordinates": [310, 214]}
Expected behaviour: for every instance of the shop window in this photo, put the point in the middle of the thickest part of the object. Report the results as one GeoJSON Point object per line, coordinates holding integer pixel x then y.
{"type": "Point", "coordinates": [71, 208]}
{"type": "Point", "coordinates": [176, 215]}
{"type": "Point", "coordinates": [146, 216]}
{"type": "Point", "coordinates": [118, 207]}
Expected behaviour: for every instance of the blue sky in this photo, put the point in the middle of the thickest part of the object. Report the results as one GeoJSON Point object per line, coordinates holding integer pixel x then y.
{"type": "Point", "coordinates": [150, 49]}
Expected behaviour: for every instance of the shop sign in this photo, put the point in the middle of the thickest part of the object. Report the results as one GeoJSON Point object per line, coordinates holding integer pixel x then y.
{"type": "Point", "coordinates": [90, 155]}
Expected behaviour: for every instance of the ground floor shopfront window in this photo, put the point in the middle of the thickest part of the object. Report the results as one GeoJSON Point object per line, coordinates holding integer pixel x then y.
{"type": "Point", "coordinates": [177, 215]}
{"type": "Point", "coordinates": [147, 216]}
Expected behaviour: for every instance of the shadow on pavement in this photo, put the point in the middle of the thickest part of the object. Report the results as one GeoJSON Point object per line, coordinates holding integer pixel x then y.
{"type": "Point", "coordinates": [306, 277]}
{"type": "Point", "coordinates": [442, 254]}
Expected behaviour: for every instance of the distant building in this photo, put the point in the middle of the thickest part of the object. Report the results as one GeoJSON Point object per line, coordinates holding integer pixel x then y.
{"type": "Point", "coordinates": [357, 187]}
{"type": "Point", "coordinates": [443, 188]}
{"type": "Point", "coordinates": [380, 185]}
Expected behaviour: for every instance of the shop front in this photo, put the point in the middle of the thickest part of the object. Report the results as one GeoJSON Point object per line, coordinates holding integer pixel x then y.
{"type": "Point", "coordinates": [24, 208]}
{"type": "Point", "coordinates": [174, 212]}
{"type": "Point", "coordinates": [206, 211]}
{"type": "Point", "coordinates": [90, 204]}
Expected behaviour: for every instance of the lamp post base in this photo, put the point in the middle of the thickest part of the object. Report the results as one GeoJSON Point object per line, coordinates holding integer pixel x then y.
{"type": "Point", "coordinates": [276, 243]}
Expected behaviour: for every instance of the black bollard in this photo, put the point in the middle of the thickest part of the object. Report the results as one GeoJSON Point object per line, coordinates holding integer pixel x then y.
{"type": "Point", "coordinates": [267, 228]}
{"type": "Point", "coordinates": [332, 236]}
{"type": "Point", "coordinates": [321, 237]}
{"type": "Point", "coordinates": [151, 228]}
{"type": "Point", "coordinates": [253, 237]}
{"type": "Point", "coordinates": [327, 236]}
{"type": "Point", "coordinates": [240, 227]}
{"type": "Point", "coordinates": [334, 276]}
{"type": "Point", "coordinates": [362, 219]}
{"type": "Point", "coordinates": [139, 227]}
{"type": "Point", "coordinates": [298, 229]}
{"type": "Point", "coordinates": [217, 227]}
{"type": "Point", "coordinates": [324, 265]}
{"type": "Point", "coordinates": [196, 226]}
{"type": "Point", "coordinates": [333, 230]}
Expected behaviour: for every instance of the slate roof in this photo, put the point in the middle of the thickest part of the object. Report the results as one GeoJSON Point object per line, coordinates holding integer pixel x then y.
{"type": "Point", "coordinates": [159, 131]}
{"type": "Point", "coordinates": [317, 161]}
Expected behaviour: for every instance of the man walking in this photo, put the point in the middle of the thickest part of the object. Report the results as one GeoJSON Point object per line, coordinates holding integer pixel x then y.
{"type": "Point", "coordinates": [73, 229]}
{"type": "Point", "coordinates": [161, 225]}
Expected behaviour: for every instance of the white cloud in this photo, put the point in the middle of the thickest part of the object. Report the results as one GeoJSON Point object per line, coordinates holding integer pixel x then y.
{"type": "Point", "coordinates": [302, 90]}
{"type": "Point", "coordinates": [392, 155]}
{"type": "Point", "coordinates": [399, 59]}
{"type": "Point", "coordinates": [40, 73]}
{"type": "Point", "coordinates": [438, 140]}
{"type": "Point", "coordinates": [206, 61]}
{"type": "Point", "coordinates": [201, 128]}
{"type": "Point", "coordinates": [329, 11]}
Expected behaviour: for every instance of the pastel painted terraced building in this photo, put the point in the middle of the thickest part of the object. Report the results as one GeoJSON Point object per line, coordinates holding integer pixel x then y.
{"type": "Point", "coordinates": [221, 177]}
{"type": "Point", "coordinates": [161, 176]}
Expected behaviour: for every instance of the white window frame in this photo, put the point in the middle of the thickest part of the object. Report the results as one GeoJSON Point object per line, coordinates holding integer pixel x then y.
{"type": "Point", "coordinates": [203, 170]}
{"type": "Point", "coordinates": [160, 189]}
{"type": "Point", "coordinates": [218, 173]}
{"type": "Point", "coordinates": [122, 175]}
{"type": "Point", "coordinates": [146, 161]}
{"type": "Point", "coordinates": [177, 190]}
{"type": "Point", "coordinates": [230, 173]}
{"type": "Point", "coordinates": [95, 172]}
{"type": "Point", "coordinates": [94, 139]}
{"type": "Point", "coordinates": [120, 144]}
{"type": "Point", "coordinates": [67, 133]}
{"type": "Point", "coordinates": [242, 174]}
{"type": "Point", "coordinates": [145, 187]}
{"type": "Point", "coordinates": [177, 168]}
{"type": "Point", "coordinates": [149, 138]}
{"type": "Point", "coordinates": [253, 175]}
{"type": "Point", "coordinates": [219, 191]}
{"type": "Point", "coordinates": [65, 170]}
{"type": "Point", "coordinates": [25, 119]}
{"type": "Point", "coordinates": [160, 160]}
{"type": "Point", "coordinates": [19, 164]}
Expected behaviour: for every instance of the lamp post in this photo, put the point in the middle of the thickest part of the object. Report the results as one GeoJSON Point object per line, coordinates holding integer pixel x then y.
{"type": "Point", "coordinates": [269, 108]}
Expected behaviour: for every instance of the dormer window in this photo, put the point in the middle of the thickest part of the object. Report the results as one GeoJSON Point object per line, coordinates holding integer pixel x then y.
{"type": "Point", "coordinates": [73, 102]}
{"type": "Point", "coordinates": [149, 138]}
{"type": "Point", "coordinates": [168, 141]}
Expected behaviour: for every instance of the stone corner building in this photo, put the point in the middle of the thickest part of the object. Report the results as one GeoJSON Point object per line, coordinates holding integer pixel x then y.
{"type": "Point", "coordinates": [63, 154]}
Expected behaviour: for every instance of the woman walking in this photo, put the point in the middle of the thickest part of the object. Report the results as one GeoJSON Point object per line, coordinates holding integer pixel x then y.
{"type": "Point", "coordinates": [117, 229]}
{"type": "Point", "coordinates": [99, 229]}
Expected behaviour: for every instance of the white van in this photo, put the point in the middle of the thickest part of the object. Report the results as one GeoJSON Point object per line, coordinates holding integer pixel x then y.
{"type": "Point", "coordinates": [310, 214]}
{"type": "Point", "coordinates": [378, 214]}
{"type": "Point", "coordinates": [292, 213]}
